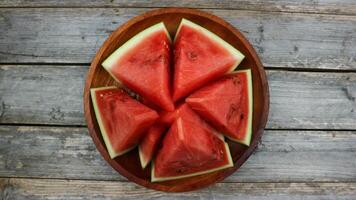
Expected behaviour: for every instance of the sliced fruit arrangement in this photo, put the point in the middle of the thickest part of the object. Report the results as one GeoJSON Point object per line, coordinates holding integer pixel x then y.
{"type": "Point", "coordinates": [212, 100]}
{"type": "Point", "coordinates": [227, 104]}
{"type": "Point", "coordinates": [150, 142]}
{"type": "Point", "coordinates": [199, 57]}
{"type": "Point", "coordinates": [122, 119]}
{"type": "Point", "coordinates": [143, 65]}
{"type": "Point", "coordinates": [190, 149]}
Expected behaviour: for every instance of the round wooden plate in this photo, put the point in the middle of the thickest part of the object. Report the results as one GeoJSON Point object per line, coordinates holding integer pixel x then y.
{"type": "Point", "coordinates": [128, 165]}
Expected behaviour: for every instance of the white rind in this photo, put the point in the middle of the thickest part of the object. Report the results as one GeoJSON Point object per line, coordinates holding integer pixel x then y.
{"type": "Point", "coordinates": [107, 142]}
{"type": "Point", "coordinates": [236, 53]}
{"type": "Point", "coordinates": [220, 136]}
{"type": "Point", "coordinates": [247, 139]}
{"type": "Point", "coordinates": [109, 62]}
{"type": "Point", "coordinates": [143, 161]}
{"type": "Point", "coordinates": [229, 164]}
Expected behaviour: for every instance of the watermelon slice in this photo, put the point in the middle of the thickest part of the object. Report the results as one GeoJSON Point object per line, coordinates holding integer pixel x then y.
{"type": "Point", "coordinates": [149, 143]}
{"type": "Point", "coordinates": [190, 149]}
{"type": "Point", "coordinates": [227, 104]}
{"type": "Point", "coordinates": [199, 57]}
{"type": "Point", "coordinates": [122, 119]}
{"type": "Point", "coordinates": [143, 65]}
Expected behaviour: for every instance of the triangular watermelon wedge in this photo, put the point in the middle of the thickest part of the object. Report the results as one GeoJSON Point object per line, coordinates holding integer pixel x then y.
{"type": "Point", "coordinates": [227, 104]}
{"type": "Point", "coordinates": [200, 56]}
{"type": "Point", "coordinates": [189, 149]}
{"type": "Point", "coordinates": [149, 143]}
{"type": "Point", "coordinates": [143, 65]}
{"type": "Point", "coordinates": [122, 119]}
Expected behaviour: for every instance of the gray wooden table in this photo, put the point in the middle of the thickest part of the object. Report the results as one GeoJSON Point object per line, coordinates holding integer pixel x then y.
{"type": "Point", "coordinates": [308, 48]}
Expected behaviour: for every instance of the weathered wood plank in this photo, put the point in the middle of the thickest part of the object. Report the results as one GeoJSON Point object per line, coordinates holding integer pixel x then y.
{"type": "Point", "coordinates": [312, 100]}
{"type": "Point", "coordinates": [282, 156]}
{"type": "Point", "coordinates": [77, 189]}
{"type": "Point", "coordinates": [315, 6]}
{"type": "Point", "coordinates": [60, 189]}
{"type": "Point", "coordinates": [41, 94]}
{"type": "Point", "coordinates": [73, 35]}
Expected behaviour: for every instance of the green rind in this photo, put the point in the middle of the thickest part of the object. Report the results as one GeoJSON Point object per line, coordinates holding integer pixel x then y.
{"type": "Point", "coordinates": [107, 142]}
{"type": "Point", "coordinates": [108, 63]}
{"type": "Point", "coordinates": [247, 140]}
{"type": "Point", "coordinates": [144, 162]}
{"type": "Point", "coordinates": [229, 164]}
{"type": "Point", "coordinates": [238, 55]}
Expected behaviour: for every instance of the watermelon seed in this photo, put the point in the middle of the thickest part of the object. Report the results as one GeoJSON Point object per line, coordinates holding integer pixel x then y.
{"type": "Point", "coordinates": [123, 98]}
{"type": "Point", "coordinates": [181, 170]}
{"type": "Point", "coordinates": [160, 58]}
{"type": "Point", "coordinates": [192, 56]}
{"type": "Point", "coordinates": [133, 60]}
{"type": "Point", "coordinates": [232, 111]}
{"type": "Point", "coordinates": [236, 81]}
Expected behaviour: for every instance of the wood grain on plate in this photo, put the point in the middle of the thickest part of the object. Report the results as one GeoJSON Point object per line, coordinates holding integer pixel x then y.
{"type": "Point", "coordinates": [127, 164]}
{"type": "Point", "coordinates": [282, 156]}
{"type": "Point", "coordinates": [68, 35]}
{"type": "Point", "coordinates": [299, 100]}
{"type": "Point", "coordinates": [304, 6]}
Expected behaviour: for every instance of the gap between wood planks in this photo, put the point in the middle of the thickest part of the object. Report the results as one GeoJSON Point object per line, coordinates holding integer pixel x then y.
{"type": "Point", "coordinates": [199, 8]}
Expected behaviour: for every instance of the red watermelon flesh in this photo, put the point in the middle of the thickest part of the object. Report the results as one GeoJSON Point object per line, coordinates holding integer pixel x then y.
{"type": "Point", "coordinates": [183, 111]}
{"type": "Point", "coordinates": [143, 65]}
{"type": "Point", "coordinates": [168, 117]}
{"type": "Point", "coordinates": [200, 56]}
{"type": "Point", "coordinates": [189, 149]}
{"type": "Point", "coordinates": [227, 104]}
{"type": "Point", "coordinates": [149, 143]}
{"type": "Point", "coordinates": [151, 105]}
{"type": "Point", "coordinates": [122, 119]}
